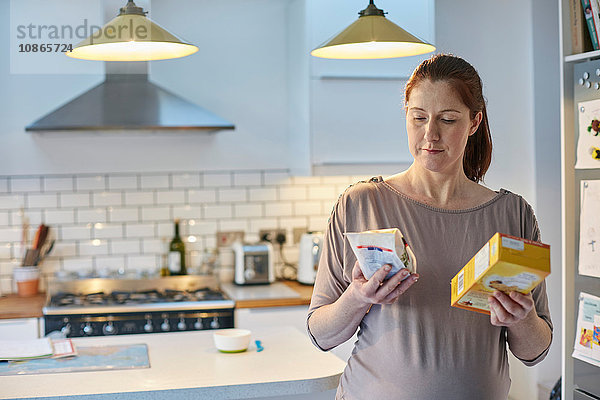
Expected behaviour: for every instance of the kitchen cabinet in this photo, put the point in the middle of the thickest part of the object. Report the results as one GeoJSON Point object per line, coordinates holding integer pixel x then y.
{"type": "Point", "coordinates": [19, 328]}
{"type": "Point", "coordinates": [348, 112]}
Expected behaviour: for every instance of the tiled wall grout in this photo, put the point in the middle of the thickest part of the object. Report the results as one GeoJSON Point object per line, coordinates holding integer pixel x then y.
{"type": "Point", "coordinates": [102, 220]}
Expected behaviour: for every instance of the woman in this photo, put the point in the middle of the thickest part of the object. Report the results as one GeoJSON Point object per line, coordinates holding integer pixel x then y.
{"type": "Point", "coordinates": [411, 343]}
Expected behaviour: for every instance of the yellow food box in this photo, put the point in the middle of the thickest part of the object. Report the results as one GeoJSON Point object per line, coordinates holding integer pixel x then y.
{"type": "Point", "coordinates": [506, 263]}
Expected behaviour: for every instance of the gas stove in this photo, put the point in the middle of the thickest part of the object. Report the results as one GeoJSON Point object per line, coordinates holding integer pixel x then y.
{"type": "Point", "coordinates": [97, 307]}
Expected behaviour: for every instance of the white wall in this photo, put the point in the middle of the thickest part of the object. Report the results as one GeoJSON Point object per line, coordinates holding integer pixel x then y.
{"type": "Point", "coordinates": [520, 77]}
{"type": "Point", "coordinates": [239, 73]}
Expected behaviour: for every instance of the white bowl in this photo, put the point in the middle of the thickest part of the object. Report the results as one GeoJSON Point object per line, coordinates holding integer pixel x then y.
{"type": "Point", "coordinates": [232, 340]}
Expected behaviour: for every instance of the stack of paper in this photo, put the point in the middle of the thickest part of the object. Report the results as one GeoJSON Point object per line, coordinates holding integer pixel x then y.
{"type": "Point", "coordinates": [35, 348]}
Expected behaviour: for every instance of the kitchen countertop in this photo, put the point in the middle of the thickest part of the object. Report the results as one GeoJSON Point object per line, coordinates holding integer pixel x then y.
{"type": "Point", "coordinates": [278, 294]}
{"type": "Point", "coordinates": [186, 365]}
{"type": "Point", "coordinates": [13, 306]}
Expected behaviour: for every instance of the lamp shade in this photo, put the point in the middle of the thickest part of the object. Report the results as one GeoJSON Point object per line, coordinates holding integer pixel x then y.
{"type": "Point", "coordinates": [372, 36]}
{"type": "Point", "coordinates": [131, 36]}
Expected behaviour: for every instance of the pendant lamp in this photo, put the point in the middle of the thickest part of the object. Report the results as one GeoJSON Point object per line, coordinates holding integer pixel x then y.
{"type": "Point", "coordinates": [131, 36]}
{"type": "Point", "coordinates": [372, 36]}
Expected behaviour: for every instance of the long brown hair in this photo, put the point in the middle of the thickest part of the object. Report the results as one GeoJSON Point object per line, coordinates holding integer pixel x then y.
{"type": "Point", "coordinates": [466, 82]}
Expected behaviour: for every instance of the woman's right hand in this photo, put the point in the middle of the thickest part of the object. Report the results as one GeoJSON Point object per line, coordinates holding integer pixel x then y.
{"type": "Point", "coordinates": [377, 290]}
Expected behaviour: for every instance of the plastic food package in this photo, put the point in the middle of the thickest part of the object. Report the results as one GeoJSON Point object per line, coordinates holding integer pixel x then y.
{"type": "Point", "coordinates": [373, 249]}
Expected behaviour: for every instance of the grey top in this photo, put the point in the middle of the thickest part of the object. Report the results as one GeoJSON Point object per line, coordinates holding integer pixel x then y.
{"type": "Point", "coordinates": [420, 347]}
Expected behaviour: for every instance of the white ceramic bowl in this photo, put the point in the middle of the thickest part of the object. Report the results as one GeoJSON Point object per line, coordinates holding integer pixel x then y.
{"type": "Point", "coordinates": [232, 340]}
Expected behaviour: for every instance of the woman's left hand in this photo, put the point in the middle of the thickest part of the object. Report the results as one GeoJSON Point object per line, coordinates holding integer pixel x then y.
{"type": "Point", "coordinates": [508, 310]}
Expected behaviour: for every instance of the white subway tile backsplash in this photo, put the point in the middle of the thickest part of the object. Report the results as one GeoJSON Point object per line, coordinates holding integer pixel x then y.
{"type": "Point", "coordinates": [62, 249]}
{"type": "Point", "coordinates": [233, 225]}
{"type": "Point", "coordinates": [139, 198]}
{"type": "Point", "coordinates": [5, 251]}
{"type": "Point", "coordinates": [107, 231]}
{"type": "Point", "coordinates": [227, 195]}
{"type": "Point", "coordinates": [165, 230]}
{"type": "Point", "coordinates": [106, 265]}
{"type": "Point", "coordinates": [130, 214]}
{"type": "Point", "coordinates": [217, 211]}
{"type": "Point", "coordinates": [170, 197]}
{"type": "Point", "coordinates": [217, 179]}
{"type": "Point", "coordinates": [307, 208]}
{"type": "Point", "coordinates": [4, 218]}
{"type": "Point", "coordinates": [18, 185]}
{"type": "Point", "coordinates": [87, 183]}
{"type": "Point", "coordinates": [185, 181]}
{"type": "Point", "coordinates": [42, 201]}
{"type": "Point", "coordinates": [79, 265]}
{"type": "Point", "coordinates": [140, 230]}
{"type": "Point", "coordinates": [279, 209]}
{"type": "Point", "coordinates": [83, 232]}
{"type": "Point", "coordinates": [59, 217]}
{"type": "Point", "coordinates": [263, 223]}
{"type": "Point", "coordinates": [58, 184]}
{"type": "Point", "coordinates": [129, 246]}
{"type": "Point", "coordinates": [293, 222]}
{"type": "Point", "coordinates": [325, 192]}
{"type": "Point", "coordinates": [202, 196]}
{"type": "Point", "coordinates": [247, 179]}
{"type": "Point", "coordinates": [187, 212]}
{"type": "Point", "coordinates": [155, 181]}
{"type": "Point", "coordinates": [93, 247]}
{"type": "Point", "coordinates": [262, 194]}
{"type": "Point", "coordinates": [12, 201]}
{"type": "Point", "coordinates": [277, 178]}
{"type": "Point", "coordinates": [105, 199]}
{"type": "Point", "coordinates": [202, 228]}
{"type": "Point", "coordinates": [248, 210]}
{"type": "Point", "coordinates": [306, 180]}
{"type": "Point", "coordinates": [317, 223]}
{"type": "Point", "coordinates": [124, 220]}
{"type": "Point", "coordinates": [3, 185]}
{"type": "Point", "coordinates": [158, 246]}
{"type": "Point", "coordinates": [74, 200]}
{"type": "Point", "coordinates": [91, 215]}
{"type": "Point", "coordinates": [123, 182]}
{"type": "Point", "coordinates": [34, 217]}
{"type": "Point", "coordinates": [142, 262]}
{"type": "Point", "coordinates": [10, 234]}
{"type": "Point", "coordinates": [293, 193]}
{"type": "Point", "coordinates": [151, 214]}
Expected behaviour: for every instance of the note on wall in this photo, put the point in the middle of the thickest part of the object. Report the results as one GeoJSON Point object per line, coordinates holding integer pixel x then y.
{"type": "Point", "coordinates": [588, 144]}
{"type": "Point", "coordinates": [589, 229]}
{"type": "Point", "coordinates": [587, 336]}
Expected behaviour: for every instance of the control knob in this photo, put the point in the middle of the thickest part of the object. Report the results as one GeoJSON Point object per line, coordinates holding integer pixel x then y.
{"type": "Point", "coordinates": [66, 330]}
{"type": "Point", "coordinates": [148, 326]}
{"type": "Point", "coordinates": [109, 329]}
{"type": "Point", "coordinates": [215, 323]}
{"type": "Point", "coordinates": [198, 324]}
{"type": "Point", "coordinates": [181, 325]}
{"type": "Point", "coordinates": [87, 329]}
{"type": "Point", "coordinates": [249, 274]}
{"type": "Point", "coordinates": [165, 325]}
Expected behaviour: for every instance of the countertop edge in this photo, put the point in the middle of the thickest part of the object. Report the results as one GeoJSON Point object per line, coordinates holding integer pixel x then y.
{"type": "Point", "coordinates": [244, 391]}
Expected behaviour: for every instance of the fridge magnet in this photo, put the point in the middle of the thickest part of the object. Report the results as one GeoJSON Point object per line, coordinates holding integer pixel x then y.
{"type": "Point", "coordinates": [588, 319]}
{"type": "Point", "coordinates": [589, 229]}
{"type": "Point", "coordinates": [588, 143]}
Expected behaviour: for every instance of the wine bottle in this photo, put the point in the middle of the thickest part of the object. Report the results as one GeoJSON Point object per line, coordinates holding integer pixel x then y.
{"type": "Point", "coordinates": [177, 254]}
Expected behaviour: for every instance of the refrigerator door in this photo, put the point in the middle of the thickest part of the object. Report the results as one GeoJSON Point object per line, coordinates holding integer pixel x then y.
{"type": "Point", "coordinates": [586, 377]}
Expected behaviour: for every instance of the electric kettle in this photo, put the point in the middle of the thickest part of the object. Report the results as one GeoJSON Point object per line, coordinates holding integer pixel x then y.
{"type": "Point", "coordinates": [308, 257]}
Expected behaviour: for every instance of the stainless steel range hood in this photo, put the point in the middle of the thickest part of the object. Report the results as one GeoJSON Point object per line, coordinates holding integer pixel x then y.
{"type": "Point", "coordinates": [128, 100]}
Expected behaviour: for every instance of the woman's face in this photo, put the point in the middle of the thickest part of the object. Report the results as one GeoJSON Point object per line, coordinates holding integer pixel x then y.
{"type": "Point", "coordinates": [438, 125]}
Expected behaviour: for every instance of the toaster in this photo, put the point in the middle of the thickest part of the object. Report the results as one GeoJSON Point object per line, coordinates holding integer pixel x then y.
{"type": "Point", "coordinates": [253, 264]}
